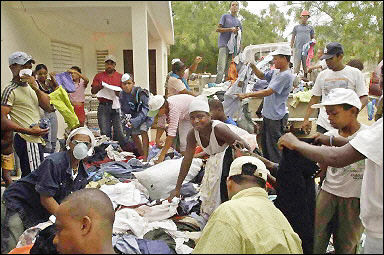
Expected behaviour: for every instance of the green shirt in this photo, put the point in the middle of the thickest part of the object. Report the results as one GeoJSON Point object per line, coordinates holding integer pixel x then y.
{"type": "Point", "coordinates": [25, 107]}
{"type": "Point", "coordinates": [248, 223]}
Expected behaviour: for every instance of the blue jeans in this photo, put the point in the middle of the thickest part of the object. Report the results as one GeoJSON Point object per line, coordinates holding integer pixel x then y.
{"type": "Point", "coordinates": [50, 143]}
{"type": "Point", "coordinates": [108, 118]}
{"type": "Point", "coordinates": [222, 64]}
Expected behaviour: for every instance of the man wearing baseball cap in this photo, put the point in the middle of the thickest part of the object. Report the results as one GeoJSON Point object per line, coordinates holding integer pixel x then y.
{"type": "Point", "coordinates": [21, 100]}
{"type": "Point", "coordinates": [106, 115]}
{"type": "Point", "coordinates": [275, 114]}
{"type": "Point", "coordinates": [301, 34]}
{"type": "Point", "coordinates": [340, 190]}
{"type": "Point", "coordinates": [249, 223]}
{"type": "Point", "coordinates": [337, 75]}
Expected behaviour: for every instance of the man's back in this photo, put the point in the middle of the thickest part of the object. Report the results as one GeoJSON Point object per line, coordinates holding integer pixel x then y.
{"type": "Point", "coordinates": [248, 223]}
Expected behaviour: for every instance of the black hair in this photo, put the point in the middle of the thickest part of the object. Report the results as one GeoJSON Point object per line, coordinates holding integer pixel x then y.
{"type": "Point", "coordinates": [177, 66]}
{"type": "Point", "coordinates": [215, 104]}
{"type": "Point", "coordinates": [247, 175]}
{"type": "Point", "coordinates": [287, 57]}
{"type": "Point", "coordinates": [356, 63]}
{"type": "Point", "coordinates": [76, 68]}
{"type": "Point", "coordinates": [346, 107]}
{"type": "Point", "coordinates": [40, 66]}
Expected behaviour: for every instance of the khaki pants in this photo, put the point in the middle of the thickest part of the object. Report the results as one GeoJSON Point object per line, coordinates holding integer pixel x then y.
{"type": "Point", "coordinates": [338, 216]}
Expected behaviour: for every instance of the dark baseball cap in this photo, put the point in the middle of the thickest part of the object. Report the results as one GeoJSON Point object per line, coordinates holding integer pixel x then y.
{"type": "Point", "coordinates": [331, 50]}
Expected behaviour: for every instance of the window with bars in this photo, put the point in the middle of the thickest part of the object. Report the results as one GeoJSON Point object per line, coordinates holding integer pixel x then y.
{"type": "Point", "coordinates": [100, 55]}
{"type": "Point", "coordinates": [64, 56]}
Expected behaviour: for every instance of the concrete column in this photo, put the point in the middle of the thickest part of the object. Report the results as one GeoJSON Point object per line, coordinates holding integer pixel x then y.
{"type": "Point", "coordinates": [161, 71]}
{"type": "Point", "coordinates": [140, 45]}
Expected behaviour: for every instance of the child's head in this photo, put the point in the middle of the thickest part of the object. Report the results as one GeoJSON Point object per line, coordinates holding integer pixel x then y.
{"type": "Point", "coordinates": [75, 76]}
{"type": "Point", "coordinates": [342, 106]}
{"type": "Point", "coordinates": [216, 109]}
{"type": "Point", "coordinates": [41, 72]}
{"type": "Point", "coordinates": [127, 83]}
{"type": "Point", "coordinates": [356, 63]}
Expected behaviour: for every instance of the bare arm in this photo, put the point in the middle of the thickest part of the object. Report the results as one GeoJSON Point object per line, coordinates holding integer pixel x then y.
{"type": "Point", "coordinates": [364, 101]}
{"type": "Point", "coordinates": [49, 203]}
{"type": "Point", "coordinates": [257, 94]}
{"type": "Point", "coordinates": [195, 63]}
{"type": "Point", "coordinates": [330, 156]}
{"type": "Point", "coordinates": [164, 150]}
{"type": "Point", "coordinates": [258, 73]}
{"type": "Point", "coordinates": [44, 101]}
{"type": "Point", "coordinates": [185, 164]}
{"type": "Point", "coordinates": [7, 124]}
{"type": "Point", "coordinates": [306, 124]}
{"type": "Point", "coordinates": [225, 134]}
{"type": "Point", "coordinates": [221, 29]}
{"type": "Point", "coordinates": [292, 41]}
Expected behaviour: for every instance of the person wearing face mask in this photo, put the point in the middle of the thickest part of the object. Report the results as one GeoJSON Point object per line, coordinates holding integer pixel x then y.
{"type": "Point", "coordinates": [21, 99]}
{"type": "Point", "coordinates": [32, 199]}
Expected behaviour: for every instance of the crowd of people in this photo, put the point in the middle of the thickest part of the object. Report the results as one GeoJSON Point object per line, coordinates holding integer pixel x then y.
{"type": "Point", "coordinates": [238, 214]}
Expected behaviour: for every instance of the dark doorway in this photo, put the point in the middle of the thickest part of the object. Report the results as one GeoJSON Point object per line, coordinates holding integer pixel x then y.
{"type": "Point", "coordinates": [128, 67]}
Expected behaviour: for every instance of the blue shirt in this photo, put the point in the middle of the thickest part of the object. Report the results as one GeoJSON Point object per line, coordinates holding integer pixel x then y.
{"type": "Point", "coordinates": [52, 178]}
{"type": "Point", "coordinates": [226, 21]}
{"type": "Point", "coordinates": [230, 121]}
{"type": "Point", "coordinates": [275, 105]}
{"type": "Point", "coordinates": [137, 110]}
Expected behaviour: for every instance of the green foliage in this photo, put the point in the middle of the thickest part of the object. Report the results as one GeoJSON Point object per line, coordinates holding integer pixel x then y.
{"type": "Point", "coordinates": [357, 25]}
{"type": "Point", "coordinates": [195, 24]}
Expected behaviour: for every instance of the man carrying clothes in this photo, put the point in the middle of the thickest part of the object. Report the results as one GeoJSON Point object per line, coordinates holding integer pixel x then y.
{"type": "Point", "coordinates": [249, 223]}
{"type": "Point", "coordinates": [337, 75]}
{"type": "Point", "coordinates": [107, 115]}
{"type": "Point", "coordinates": [275, 114]}
{"type": "Point", "coordinates": [21, 100]}
{"type": "Point", "coordinates": [229, 23]}
{"type": "Point", "coordinates": [32, 199]}
{"type": "Point", "coordinates": [301, 35]}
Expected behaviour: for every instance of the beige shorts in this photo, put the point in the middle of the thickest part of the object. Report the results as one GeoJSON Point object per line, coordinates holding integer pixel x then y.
{"type": "Point", "coordinates": [7, 162]}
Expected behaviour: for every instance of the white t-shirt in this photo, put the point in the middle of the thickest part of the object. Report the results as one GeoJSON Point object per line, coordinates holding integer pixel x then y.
{"type": "Point", "coordinates": [345, 181]}
{"type": "Point", "coordinates": [348, 78]}
{"type": "Point", "coordinates": [369, 142]}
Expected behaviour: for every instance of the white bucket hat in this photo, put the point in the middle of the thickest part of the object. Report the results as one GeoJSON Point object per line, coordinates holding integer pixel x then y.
{"type": "Point", "coordinates": [237, 167]}
{"type": "Point", "coordinates": [340, 96]}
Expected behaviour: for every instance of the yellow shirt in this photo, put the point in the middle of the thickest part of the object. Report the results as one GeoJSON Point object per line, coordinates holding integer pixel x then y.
{"type": "Point", "coordinates": [248, 223]}
{"type": "Point", "coordinates": [25, 108]}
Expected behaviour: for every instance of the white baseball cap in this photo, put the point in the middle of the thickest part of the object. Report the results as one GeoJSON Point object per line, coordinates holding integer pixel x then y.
{"type": "Point", "coordinates": [154, 104]}
{"type": "Point", "coordinates": [340, 96]}
{"type": "Point", "coordinates": [20, 58]}
{"type": "Point", "coordinates": [282, 50]}
{"type": "Point", "coordinates": [237, 167]}
{"type": "Point", "coordinates": [125, 77]}
{"type": "Point", "coordinates": [110, 57]}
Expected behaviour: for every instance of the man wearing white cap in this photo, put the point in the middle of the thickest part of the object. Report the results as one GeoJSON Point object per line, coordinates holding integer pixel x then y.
{"type": "Point", "coordinates": [21, 100]}
{"type": "Point", "coordinates": [340, 191]}
{"type": "Point", "coordinates": [107, 114]}
{"type": "Point", "coordinates": [134, 111]}
{"type": "Point", "coordinates": [275, 113]}
{"type": "Point", "coordinates": [213, 137]}
{"type": "Point", "coordinates": [249, 223]}
{"type": "Point", "coordinates": [32, 199]}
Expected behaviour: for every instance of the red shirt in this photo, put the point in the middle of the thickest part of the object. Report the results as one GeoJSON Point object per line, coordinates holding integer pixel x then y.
{"type": "Point", "coordinates": [114, 79]}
